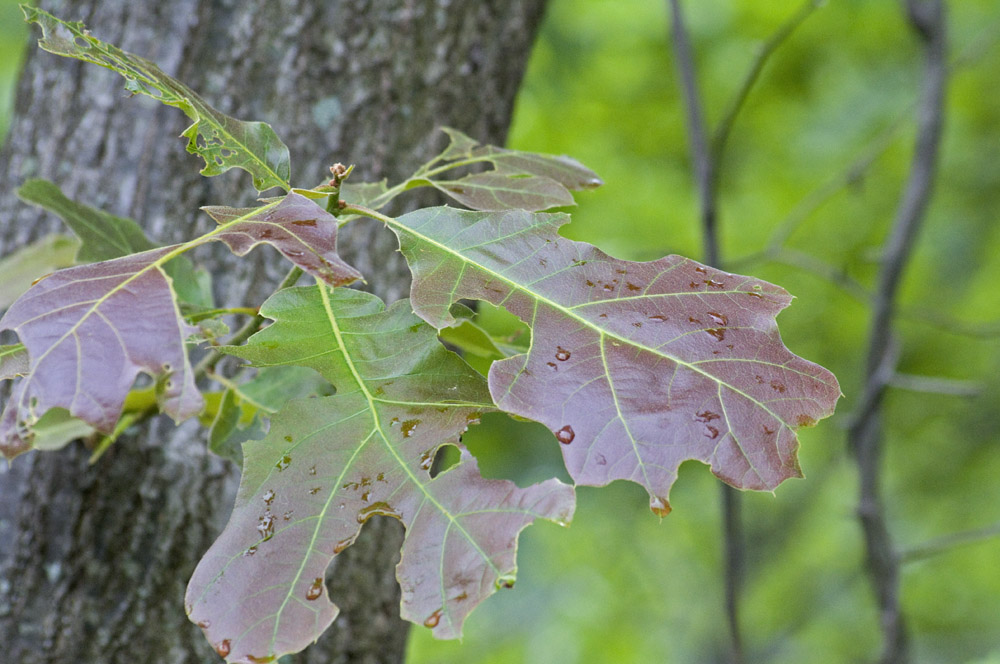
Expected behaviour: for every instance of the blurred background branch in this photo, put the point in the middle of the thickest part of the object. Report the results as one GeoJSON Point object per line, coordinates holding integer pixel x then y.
{"type": "Point", "coordinates": [866, 436]}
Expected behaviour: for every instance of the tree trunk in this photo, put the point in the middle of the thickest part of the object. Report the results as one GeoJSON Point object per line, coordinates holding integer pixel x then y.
{"type": "Point", "coordinates": [94, 560]}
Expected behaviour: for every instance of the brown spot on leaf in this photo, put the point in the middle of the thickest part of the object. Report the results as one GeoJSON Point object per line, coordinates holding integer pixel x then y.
{"type": "Point", "coordinates": [659, 506]}
{"type": "Point", "coordinates": [223, 647]}
{"type": "Point", "coordinates": [565, 435]}
{"type": "Point", "coordinates": [719, 319]}
{"type": "Point", "coordinates": [805, 421]}
{"type": "Point", "coordinates": [380, 508]}
{"type": "Point", "coordinates": [718, 333]}
{"type": "Point", "coordinates": [315, 589]}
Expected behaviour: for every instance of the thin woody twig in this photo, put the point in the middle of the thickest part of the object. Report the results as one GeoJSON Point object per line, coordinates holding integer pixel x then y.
{"type": "Point", "coordinates": [949, 543]}
{"type": "Point", "coordinates": [865, 436]}
{"type": "Point", "coordinates": [707, 158]}
{"type": "Point", "coordinates": [784, 31]}
{"type": "Point", "coordinates": [704, 165]}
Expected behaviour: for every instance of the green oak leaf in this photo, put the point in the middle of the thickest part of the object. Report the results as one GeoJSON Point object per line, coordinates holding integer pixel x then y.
{"type": "Point", "coordinates": [222, 141]}
{"type": "Point", "coordinates": [21, 268]}
{"type": "Point", "coordinates": [331, 463]}
{"type": "Point", "coordinates": [102, 236]}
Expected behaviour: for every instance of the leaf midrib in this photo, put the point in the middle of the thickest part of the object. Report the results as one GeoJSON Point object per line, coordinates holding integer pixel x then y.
{"type": "Point", "coordinates": [377, 428]}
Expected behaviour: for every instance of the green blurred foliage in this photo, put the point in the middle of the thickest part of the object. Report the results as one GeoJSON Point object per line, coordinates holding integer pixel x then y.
{"type": "Point", "coordinates": [13, 40]}
{"type": "Point", "coordinates": [621, 585]}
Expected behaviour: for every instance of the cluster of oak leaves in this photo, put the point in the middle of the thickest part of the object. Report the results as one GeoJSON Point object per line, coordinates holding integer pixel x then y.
{"type": "Point", "coordinates": [635, 367]}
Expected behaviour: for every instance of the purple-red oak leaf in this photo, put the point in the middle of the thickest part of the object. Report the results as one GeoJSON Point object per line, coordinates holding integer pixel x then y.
{"type": "Point", "coordinates": [635, 367]}
{"type": "Point", "coordinates": [328, 464]}
{"type": "Point", "coordinates": [91, 330]}
{"type": "Point", "coordinates": [518, 180]}
{"type": "Point", "coordinates": [301, 230]}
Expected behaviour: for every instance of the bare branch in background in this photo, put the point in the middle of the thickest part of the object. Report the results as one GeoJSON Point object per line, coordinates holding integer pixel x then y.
{"type": "Point", "coordinates": [706, 160]}
{"type": "Point", "coordinates": [701, 154]}
{"type": "Point", "coordinates": [936, 385]}
{"type": "Point", "coordinates": [865, 437]}
{"type": "Point", "coordinates": [772, 44]}
{"type": "Point", "coordinates": [705, 180]}
{"type": "Point", "coordinates": [949, 543]}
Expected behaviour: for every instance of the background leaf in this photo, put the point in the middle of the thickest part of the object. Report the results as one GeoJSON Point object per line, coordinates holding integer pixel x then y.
{"type": "Point", "coordinates": [13, 361]}
{"type": "Point", "coordinates": [223, 142]}
{"type": "Point", "coordinates": [635, 367]}
{"type": "Point", "coordinates": [331, 463]}
{"type": "Point", "coordinates": [102, 236]}
{"type": "Point", "coordinates": [29, 263]}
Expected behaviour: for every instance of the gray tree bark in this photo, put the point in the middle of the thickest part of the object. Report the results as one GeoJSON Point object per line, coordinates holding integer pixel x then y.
{"type": "Point", "coordinates": [94, 560]}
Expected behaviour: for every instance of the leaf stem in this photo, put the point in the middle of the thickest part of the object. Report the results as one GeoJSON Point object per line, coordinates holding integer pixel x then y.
{"type": "Point", "coordinates": [249, 328]}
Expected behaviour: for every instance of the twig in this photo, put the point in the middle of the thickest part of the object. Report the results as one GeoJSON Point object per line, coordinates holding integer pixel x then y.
{"type": "Point", "coordinates": [949, 543]}
{"type": "Point", "coordinates": [705, 179]}
{"type": "Point", "coordinates": [936, 385]}
{"type": "Point", "coordinates": [865, 436]}
{"type": "Point", "coordinates": [866, 157]}
{"type": "Point", "coordinates": [784, 31]}
{"type": "Point", "coordinates": [704, 166]}
{"type": "Point", "coordinates": [207, 363]}
{"type": "Point", "coordinates": [707, 161]}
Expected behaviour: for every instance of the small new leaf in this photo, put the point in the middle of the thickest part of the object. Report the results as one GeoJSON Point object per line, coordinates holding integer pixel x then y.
{"type": "Point", "coordinates": [519, 180]}
{"type": "Point", "coordinates": [331, 463]}
{"type": "Point", "coordinates": [222, 141]}
{"type": "Point", "coordinates": [302, 231]}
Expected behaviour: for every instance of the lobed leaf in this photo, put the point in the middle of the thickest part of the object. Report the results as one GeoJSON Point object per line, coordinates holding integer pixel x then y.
{"type": "Point", "coordinates": [90, 331]}
{"type": "Point", "coordinates": [636, 367]}
{"type": "Point", "coordinates": [565, 170]}
{"type": "Point", "coordinates": [222, 141]}
{"type": "Point", "coordinates": [105, 323]}
{"type": "Point", "coordinates": [331, 463]}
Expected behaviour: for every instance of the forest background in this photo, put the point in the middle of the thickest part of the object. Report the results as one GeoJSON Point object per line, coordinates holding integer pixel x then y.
{"type": "Point", "coordinates": [811, 178]}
